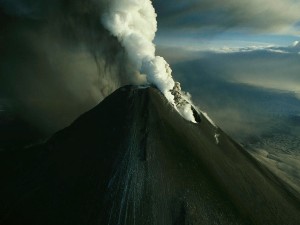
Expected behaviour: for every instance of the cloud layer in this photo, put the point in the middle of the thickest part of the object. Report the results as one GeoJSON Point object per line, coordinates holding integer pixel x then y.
{"type": "Point", "coordinates": [255, 15]}
{"type": "Point", "coordinates": [267, 67]}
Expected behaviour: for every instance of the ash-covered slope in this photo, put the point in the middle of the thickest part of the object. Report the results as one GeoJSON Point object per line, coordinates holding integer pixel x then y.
{"type": "Point", "coordinates": [134, 160]}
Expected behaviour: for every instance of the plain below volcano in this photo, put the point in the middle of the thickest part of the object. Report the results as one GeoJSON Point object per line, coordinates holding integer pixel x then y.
{"type": "Point", "coordinates": [134, 160]}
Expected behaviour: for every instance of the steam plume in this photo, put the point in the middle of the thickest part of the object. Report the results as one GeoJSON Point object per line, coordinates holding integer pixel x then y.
{"type": "Point", "coordinates": [134, 24]}
{"type": "Point", "coordinates": [58, 60]}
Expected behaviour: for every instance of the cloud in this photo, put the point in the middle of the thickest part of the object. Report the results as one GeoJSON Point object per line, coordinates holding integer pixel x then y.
{"type": "Point", "coordinates": [266, 67]}
{"type": "Point", "coordinates": [255, 15]}
{"type": "Point", "coordinates": [294, 48]}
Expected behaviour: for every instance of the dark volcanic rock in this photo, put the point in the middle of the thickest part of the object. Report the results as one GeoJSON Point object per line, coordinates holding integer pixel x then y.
{"type": "Point", "coordinates": [134, 160]}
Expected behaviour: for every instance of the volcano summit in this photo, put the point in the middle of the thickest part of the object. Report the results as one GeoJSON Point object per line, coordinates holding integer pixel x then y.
{"type": "Point", "coordinates": [134, 160]}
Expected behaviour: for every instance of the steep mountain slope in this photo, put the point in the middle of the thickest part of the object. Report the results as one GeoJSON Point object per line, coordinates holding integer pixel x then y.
{"type": "Point", "coordinates": [134, 160]}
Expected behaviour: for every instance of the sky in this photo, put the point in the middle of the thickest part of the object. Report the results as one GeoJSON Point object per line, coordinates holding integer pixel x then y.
{"type": "Point", "coordinates": [204, 24]}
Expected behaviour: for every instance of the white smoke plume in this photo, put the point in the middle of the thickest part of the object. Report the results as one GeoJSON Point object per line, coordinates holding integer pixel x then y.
{"type": "Point", "coordinates": [59, 60]}
{"type": "Point", "coordinates": [134, 24]}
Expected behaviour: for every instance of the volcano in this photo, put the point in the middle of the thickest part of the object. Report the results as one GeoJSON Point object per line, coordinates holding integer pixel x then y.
{"type": "Point", "coordinates": [134, 160]}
